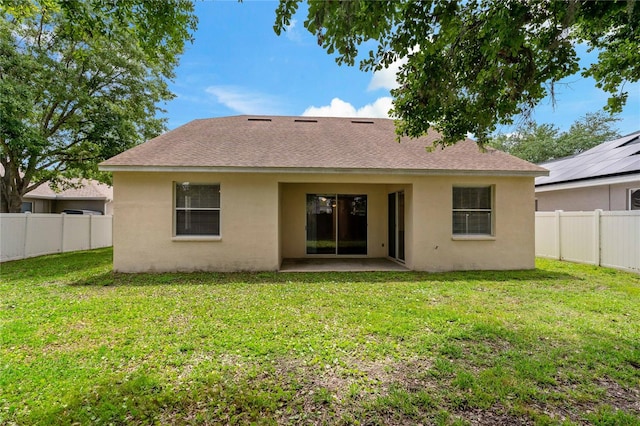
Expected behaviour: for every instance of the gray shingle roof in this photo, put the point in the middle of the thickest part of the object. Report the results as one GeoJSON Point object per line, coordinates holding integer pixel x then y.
{"type": "Point", "coordinates": [612, 158]}
{"type": "Point", "coordinates": [88, 190]}
{"type": "Point", "coordinates": [275, 142]}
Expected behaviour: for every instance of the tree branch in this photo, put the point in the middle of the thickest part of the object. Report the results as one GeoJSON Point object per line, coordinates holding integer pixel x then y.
{"type": "Point", "coordinates": [63, 118]}
{"type": "Point", "coordinates": [35, 185]}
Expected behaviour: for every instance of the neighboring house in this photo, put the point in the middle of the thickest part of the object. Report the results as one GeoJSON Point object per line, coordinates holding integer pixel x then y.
{"type": "Point", "coordinates": [605, 177]}
{"type": "Point", "coordinates": [244, 193]}
{"type": "Point", "coordinates": [90, 195]}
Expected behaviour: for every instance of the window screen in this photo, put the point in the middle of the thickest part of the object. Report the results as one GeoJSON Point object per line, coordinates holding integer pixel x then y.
{"type": "Point", "coordinates": [197, 209]}
{"type": "Point", "coordinates": [472, 210]}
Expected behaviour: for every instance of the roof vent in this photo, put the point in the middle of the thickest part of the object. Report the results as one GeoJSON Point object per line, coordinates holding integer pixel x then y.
{"type": "Point", "coordinates": [361, 122]}
{"type": "Point", "coordinates": [258, 119]}
{"type": "Point", "coordinates": [301, 120]}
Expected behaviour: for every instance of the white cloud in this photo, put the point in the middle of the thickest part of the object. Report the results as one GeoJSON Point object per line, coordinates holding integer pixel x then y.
{"type": "Point", "coordinates": [245, 101]}
{"type": "Point", "coordinates": [386, 77]}
{"type": "Point", "coordinates": [291, 32]}
{"type": "Point", "coordinates": [339, 108]}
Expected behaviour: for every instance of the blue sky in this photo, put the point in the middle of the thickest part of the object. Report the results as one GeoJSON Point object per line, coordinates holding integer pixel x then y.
{"type": "Point", "coordinates": [238, 65]}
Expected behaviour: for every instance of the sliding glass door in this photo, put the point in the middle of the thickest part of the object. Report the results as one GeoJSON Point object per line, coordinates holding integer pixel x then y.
{"type": "Point", "coordinates": [352, 224]}
{"type": "Point", "coordinates": [336, 224]}
{"type": "Point", "coordinates": [321, 224]}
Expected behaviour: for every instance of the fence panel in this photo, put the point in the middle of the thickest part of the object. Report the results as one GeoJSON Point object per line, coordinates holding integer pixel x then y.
{"type": "Point", "coordinates": [76, 232]}
{"type": "Point", "coordinates": [29, 235]}
{"type": "Point", "coordinates": [101, 231]}
{"type": "Point", "coordinates": [620, 240]}
{"type": "Point", "coordinates": [577, 237]}
{"type": "Point", "coordinates": [609, 238]}
{"type": "Point", "coordinates": [44, 234]}
{"type": "Point", "coordinates": [546, 235]}
{"type": "Point", "coordinates": [12, 236]}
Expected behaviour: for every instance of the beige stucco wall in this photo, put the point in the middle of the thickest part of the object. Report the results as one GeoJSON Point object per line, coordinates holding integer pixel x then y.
{"type": "Point", "coordinates": [143, 224]}
{"type": "Point", "coordinates": [511, 247]}
{"type": "Point", "coordinates": [263, 220]}
{"type": "Point", "coordinates": [605, 197]}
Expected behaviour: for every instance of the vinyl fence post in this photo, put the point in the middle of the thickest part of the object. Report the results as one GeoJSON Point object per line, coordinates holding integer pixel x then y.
{"type": "Point", "coordinates": [557, 234]}
{"type": "Point", "coordinates": [62, 233]}
{"type": "Point", "coordinates": [596, 236]}
{"type": "Point", "coordinates": [90, 231]}
{"type": "Point", "coordinates": [26, 235]}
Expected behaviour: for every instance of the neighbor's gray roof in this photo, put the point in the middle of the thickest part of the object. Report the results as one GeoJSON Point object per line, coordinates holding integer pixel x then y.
{"type": "Point", "coordinates": [88, 190]}
{"type": "Point", "coordinates": [614, 158]}
{"type": "Point", "coordinates": [295, 143]}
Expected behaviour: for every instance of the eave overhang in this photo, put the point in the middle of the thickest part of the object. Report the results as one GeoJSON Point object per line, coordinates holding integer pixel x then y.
{"type": "Point", "coordinates": [586, 183]}
{"type": "Point", "coordinates": [320, 170]}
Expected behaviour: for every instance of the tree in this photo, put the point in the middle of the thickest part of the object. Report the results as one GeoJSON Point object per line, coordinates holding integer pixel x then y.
{"type": "Point", "coordinates": [469, 66]}
{"type": "Point", "coordinates": [534, 142]}
{"type": "Point", "coordinates": [80, 81]}
{"type": "Point", "coordinates": [544, 142]}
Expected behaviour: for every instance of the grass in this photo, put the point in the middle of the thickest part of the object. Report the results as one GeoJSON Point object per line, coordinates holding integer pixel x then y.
{"type": "Point", "coordinates": [81, 345]}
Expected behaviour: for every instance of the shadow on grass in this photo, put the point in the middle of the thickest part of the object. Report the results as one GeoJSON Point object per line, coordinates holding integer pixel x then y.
{"type": "Point", "coordinates": [213, 278]}
{"type": "Point", "coordinates": [50, 267]}
{"type": "Point", "coordinates": [54, 265]}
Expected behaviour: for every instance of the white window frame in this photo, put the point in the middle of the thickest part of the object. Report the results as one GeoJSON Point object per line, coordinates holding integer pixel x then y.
{"type": "Point", "coordinates": [490, 210]}
{"type": "Point", "coordinates": [197, 237]}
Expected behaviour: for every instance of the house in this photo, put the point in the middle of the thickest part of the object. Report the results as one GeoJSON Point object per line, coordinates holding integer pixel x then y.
{"type": "Point", "coordinates": [605, 177]}
{"type": "Point", "coordinates": [88, 195]}
{"type": "Point", "coordinates": [246, 192]}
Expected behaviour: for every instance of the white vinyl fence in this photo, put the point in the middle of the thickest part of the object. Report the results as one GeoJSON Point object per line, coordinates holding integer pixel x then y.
{"type": "Point", "coordinates": [606, 238]}
{"type": "Point", "coordinates": [28, 235]}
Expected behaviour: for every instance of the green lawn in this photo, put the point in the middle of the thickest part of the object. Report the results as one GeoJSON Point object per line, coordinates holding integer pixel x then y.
{"type": "Point", "coordinates": [79, 344]}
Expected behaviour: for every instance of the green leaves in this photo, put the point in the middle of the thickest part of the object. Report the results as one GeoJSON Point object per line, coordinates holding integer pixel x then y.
{"type": "Point", "coordinates": [612, 29]}
{"type": "Point", "coordinates": [544, 142]}
{"type": "Point", "coordinates": [80, 81]}
{"type": "Point", "coordinates": [476, 64]}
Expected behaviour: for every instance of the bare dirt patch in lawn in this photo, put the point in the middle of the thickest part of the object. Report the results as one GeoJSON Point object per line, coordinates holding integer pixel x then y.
{"type": "Point", "coordinates": [333, 391]}
{"type": "Point", "coordinates": [614, 395]}
{"type": "Point", "coordinates": [627, 399]}
{"type": "Point", "coordinates": [496, 415]}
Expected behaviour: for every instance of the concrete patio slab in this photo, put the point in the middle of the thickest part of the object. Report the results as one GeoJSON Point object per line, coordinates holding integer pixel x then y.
{"type": "Point", "coordinates": [337, 265]}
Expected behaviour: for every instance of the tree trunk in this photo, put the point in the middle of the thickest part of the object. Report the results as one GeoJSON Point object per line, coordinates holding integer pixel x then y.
{"type": "Point", "coordinates": [10, 204]}
{"type": "Point", "coordinates": [14, 204]}
{"type": "Point", "coordinates": [10, 192]}
{"type": "Point", "coordinates": [4, 205]}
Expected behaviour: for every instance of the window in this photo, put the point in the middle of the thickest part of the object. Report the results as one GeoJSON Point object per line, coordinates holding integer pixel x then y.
{"type": "Point", "coordinates": [634, 199]}
{"type": "Point", "coordinates": [27, 206]}
{"type": "Point", "coordinates": [197, 209]}
{"type": "Point", "coordinates": [472, 210]}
